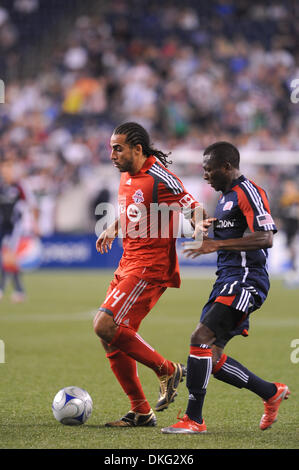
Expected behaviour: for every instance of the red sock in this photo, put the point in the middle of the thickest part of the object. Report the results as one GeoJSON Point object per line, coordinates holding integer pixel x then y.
{"type": "Point", "coordinates": [125, 370]}
{"type": "Point", "coordinates": [132, 344]}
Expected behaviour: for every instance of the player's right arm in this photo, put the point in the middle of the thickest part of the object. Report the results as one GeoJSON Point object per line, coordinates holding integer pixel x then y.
{"type": "Point", "coordinates": [200, 222]}
{"type": "Point", "coordinates": [105, 240]}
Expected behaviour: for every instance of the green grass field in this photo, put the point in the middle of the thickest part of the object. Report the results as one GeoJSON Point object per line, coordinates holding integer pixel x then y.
{"type": "Point", "coordinates": [50, 344]}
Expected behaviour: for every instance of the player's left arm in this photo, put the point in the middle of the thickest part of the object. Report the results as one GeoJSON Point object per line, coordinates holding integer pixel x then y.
{"type": "Point", "coordinates": [253, 241]}
{"type": "Point", "coordinates": [254, 205]}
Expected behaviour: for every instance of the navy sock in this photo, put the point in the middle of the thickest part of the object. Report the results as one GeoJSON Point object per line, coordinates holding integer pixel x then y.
{"type": "Point", "coordinates": [199, 368]}
{"type": "Point", "coordinates": [17, 282]}
{"type": "Point", "coordinates": [234, 373]}
{"type": "Point", "coordinates": [3, 277]}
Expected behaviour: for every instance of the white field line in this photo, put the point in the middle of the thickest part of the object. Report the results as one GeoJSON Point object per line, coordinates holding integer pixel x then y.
{"type": "Point", "coordinates": [157, 318]}
{"type": "Point", "coordinates": [47, 317]}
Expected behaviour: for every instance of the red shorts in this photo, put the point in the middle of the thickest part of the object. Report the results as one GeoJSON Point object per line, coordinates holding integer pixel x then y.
{"type": "Point", "coordinates": [129, 299]}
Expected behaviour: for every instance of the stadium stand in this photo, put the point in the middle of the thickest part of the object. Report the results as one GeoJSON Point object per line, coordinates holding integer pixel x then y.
{"type": "Point", "coordinates": [191, 72]}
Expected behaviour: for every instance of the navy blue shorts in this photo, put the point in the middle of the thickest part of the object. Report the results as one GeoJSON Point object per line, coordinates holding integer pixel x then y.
{"type": "Point", "coordinates": [242, 290]}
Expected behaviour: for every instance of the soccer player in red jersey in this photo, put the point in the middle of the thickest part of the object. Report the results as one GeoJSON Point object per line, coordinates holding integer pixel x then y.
{"type": "Point", "coordinates": [148, 266]}
{"type": "Point", "coordinates": [241, 288]}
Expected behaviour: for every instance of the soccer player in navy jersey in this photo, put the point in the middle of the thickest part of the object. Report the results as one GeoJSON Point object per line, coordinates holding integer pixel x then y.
{"type": "Point", "coordinates": [241, 288]}
{"type": "Point", "coordinates": [11, 198]}
{"type": "Point", "coordinates": [15, 199]}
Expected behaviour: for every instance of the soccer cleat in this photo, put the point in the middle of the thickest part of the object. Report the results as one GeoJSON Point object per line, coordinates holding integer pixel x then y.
{"type": "Point", "coordinates": [169, 385]}
{"type": "Point", "coordinates": [271, 406]}
{"type": "Point", "coordinates": [18, 297]}
{"type": "Point", "coordinates": [185, 425]}
{"type": "Point", "coordinates": [132, 419]}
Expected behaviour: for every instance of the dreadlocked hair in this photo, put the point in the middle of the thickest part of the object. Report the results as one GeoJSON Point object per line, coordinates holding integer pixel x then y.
{"type": "Point", "coordinates": [136, 134]}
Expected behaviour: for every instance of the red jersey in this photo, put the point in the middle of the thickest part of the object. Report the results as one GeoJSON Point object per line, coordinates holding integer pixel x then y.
{"type": "Point", "coordinates": [149, 204]}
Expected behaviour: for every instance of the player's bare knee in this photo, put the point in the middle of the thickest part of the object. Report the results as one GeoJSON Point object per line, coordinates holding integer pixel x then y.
{"type": "Point", "coordinates": [104, 326]}
{"type": "Point", "coordinates": [202, 335]}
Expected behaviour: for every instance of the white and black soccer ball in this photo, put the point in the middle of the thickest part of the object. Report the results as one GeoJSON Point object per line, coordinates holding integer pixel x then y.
{"type": "Point", "coordinates": [72, 406]}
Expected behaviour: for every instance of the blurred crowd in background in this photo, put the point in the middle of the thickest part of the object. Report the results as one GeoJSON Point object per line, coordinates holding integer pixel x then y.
{"type": "Point", "coordinates": [190, 72]}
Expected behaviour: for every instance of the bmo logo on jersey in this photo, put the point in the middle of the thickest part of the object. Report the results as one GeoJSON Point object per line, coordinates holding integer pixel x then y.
{"type": "Point", "coordinates": [225, 223]}
{"type": "Point", "coordinates": [133, 213]}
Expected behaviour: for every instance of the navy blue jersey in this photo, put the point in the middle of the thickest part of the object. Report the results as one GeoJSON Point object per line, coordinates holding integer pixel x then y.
{"type": "Point", "coordinates": [242, 208]}
{"type": "Point", "coordinates": [10, 196]}
{"type": "Point", "coordinates": [242, 278]}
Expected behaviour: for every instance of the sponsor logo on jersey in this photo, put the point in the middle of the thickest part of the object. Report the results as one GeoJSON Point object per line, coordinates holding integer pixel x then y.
{"type": "Point", "coordinates": [138, 197]}
{"type": "Point", "coordinates": [133, 213]}
{"type": "Point", "coordinates": [228, 205]}
{"type": "Point", "coordinates": [129, 181]}
{"type": "Point", "coordinates": [225, 223]}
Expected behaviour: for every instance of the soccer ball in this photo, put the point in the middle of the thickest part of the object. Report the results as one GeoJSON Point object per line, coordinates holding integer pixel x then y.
{"type": "Point", "coordinates": [72, 406]}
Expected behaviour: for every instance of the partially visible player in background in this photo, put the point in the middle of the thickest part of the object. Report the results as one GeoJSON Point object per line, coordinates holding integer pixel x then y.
{"type": "Point", "coordinates": [148, 266]}
{"type": "Point", "coordinates": [243, 232]}
{"type": "Point", "coordinates": [289, 215]}
{"type": "Point", "coordinates": [15, 201]}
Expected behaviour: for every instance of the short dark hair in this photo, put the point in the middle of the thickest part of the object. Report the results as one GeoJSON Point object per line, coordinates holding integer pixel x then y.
{"type": "Point", "coordinates": [224, 152]}
{"type": "Point", "coordinates": [136, 134]}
